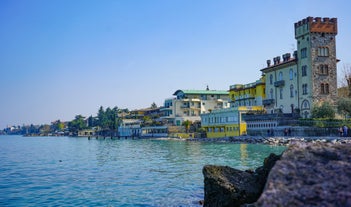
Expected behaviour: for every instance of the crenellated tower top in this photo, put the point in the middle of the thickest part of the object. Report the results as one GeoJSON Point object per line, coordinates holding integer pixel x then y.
{"type": "Point", "coordinates": [316, 25]}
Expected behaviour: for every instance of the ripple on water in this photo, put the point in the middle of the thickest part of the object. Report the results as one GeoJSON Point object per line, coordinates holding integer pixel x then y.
{"type": "Point", "coordinates": [62, 171]}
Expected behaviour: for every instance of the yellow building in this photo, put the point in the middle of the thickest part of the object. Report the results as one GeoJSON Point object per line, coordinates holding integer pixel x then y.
{"type": "Point", "coordinates": [251, 94]}
{"type": "Point", "coordinates": [226, 122]}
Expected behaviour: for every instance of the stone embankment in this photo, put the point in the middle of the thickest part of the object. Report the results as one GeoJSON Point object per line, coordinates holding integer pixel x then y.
{"type": "Point", "coordinates": [308, 173]}
{"type": "Point", "coordinates": [279, 141]}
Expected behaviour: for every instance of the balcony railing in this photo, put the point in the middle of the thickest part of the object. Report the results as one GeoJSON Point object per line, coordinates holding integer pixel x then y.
{"type": "Point", "coordinates": [279, 83]}
{"type": "Point", "coordinates": [268, 102]}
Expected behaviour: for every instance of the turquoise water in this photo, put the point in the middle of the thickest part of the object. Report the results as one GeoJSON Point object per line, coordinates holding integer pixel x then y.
{"type": "Point", "coordinates": [63, 171]}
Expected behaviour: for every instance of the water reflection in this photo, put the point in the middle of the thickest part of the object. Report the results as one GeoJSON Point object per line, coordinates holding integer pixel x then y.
{"type": "Point", "coordinates": [243, 154]}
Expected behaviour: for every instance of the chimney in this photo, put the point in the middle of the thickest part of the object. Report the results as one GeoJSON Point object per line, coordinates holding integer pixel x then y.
{"type": "Point", "coordinates": [288, 55]}
{"type": "Point", "coordinates": [268, 63]}
{"type": "Point", "coordinates": [278, 59]}
{"type": "Point", "coordinates": [295, 54]}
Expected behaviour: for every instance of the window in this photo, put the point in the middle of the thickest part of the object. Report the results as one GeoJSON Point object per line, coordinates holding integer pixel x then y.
{"type": "Point", "coordinates": [305, 104]}
{"type": "Point", "coordinates": [323, 51]}
{"type": "Point", "coordinates": [281, 93]}
{"type": "Point", "coordinates": [304, 89]}
{"type": "Point", "coordinates": [280, 76]}
{"type": "Point", "coordinates": [291, 90]}
{"type": "Point", "coordinates": [304, 70]}
{"type": "Point", "coordinates": [271, 79]}
{"type": "Point", "coordinates": [324, 88]}
{"type": "Point", "coordinates": [271, 93]}
{"type": "Point", "coordinates": [323, 69]}
{"type": "Point", "coordinates": [291, 74]}
{"type": "Point", "coordinates": [304, 53]}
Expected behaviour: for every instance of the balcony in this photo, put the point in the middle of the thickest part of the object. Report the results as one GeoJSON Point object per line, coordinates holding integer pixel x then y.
{"type": "Point", "coordinates": [267, 102]}
{"type": "Point", "coordinates": [279, 83]}
{"type": "Point", "coordinates": [244, 97]}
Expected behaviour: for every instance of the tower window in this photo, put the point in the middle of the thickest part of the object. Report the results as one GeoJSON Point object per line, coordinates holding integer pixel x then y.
{"type": "Point", "coordinates": [304, 70]}
{"type": "Point", "coordinates": [323, 69]}
{"type": "Point", "coordinates": [324, 88]}
{"type": "Point", "coordinates": [323, 51]}
{"type": "Point", "coordinates": [304, 89]}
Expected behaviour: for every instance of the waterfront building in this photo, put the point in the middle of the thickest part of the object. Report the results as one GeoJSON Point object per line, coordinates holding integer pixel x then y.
{"type": "Point", "coordinates": [190, 104]}
{"type": "Point", "coordinates": [129, 128]}
{"type": "Point", "coordinates": [141, 113]}
{"type": "Point", "coordinates": [251, 94]}
{"type": "Point", "coordinates": [226, 122]}
{"type": "Point", "coordinates": [309, 77]}
{"type": "Point", "coordinates": [154, 131]}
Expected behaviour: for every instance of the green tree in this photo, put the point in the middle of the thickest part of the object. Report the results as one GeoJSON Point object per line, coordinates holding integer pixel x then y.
{"type": "Point", "coordinates": [77, 124]}
{"type": "Point", "coordinates": [325, 110]}
{"type": "Point", "coordinates": [187, 125]}
{"type": "Point", "coordinates": [344, 106]}
{"type": "Point", "coordinates": [108, 120]}
{"type": "Point", "coordinates": [45, 129]}
{"type": "Point", "coordinates": [147, 121]}
{"type": "Point", "coordinates": [102, 118]}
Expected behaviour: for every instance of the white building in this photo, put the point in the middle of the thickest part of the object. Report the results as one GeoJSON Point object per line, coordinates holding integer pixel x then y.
{"type": "Point", "coordinates": [129, 128]}
{"type": "Point", "coordinates": [189, 104]}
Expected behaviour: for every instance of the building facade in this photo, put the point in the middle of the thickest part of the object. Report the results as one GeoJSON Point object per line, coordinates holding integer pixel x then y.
{"type": "Point", "coordinates": [226, 122]}
{"type": "Point", "coordinates": [251, 94]}
{"type": "Point", "coordinates": [309, 77]}
{"type": "Point", "coordinates": [189, 104]}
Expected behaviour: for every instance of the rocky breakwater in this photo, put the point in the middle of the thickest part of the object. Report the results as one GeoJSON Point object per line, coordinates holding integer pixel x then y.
{"type": "Point", "coordinates": [225, 186]}
{"type": "Point", "coordinates": [307, 174]}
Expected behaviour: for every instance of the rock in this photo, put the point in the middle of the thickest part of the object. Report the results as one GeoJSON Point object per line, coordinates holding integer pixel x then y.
{"type": "Point", "coordinates": [225, 186]}
{"type": "Point", "coordinates": [310, 175]}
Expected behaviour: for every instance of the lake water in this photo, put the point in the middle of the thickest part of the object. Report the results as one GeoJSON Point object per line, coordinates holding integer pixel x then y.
{"type": "Point", "coordinates": [63, 171]}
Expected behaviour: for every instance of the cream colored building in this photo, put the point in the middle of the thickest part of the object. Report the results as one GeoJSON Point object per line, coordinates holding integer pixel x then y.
{"type": "Point", "coordinates": [189, 104]}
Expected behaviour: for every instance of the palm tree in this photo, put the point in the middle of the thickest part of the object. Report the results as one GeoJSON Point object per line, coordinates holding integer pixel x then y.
{"type": "Point", "coordinates": [187, 125]}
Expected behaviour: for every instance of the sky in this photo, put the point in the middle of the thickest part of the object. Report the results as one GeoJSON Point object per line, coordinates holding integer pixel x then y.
{"type": "Point", "coordinates": [62, 58]}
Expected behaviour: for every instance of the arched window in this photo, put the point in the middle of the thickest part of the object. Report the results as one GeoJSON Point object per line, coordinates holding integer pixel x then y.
{"type": "Point", "coordinates": [271, 93]}
{"type": "Point", "coordinates": [323, 69]}
{"type": "Point", "coordinates": [281, 93]}
{"type": "Point", "coordinates": [323, 51]}
{"type": "Point", "coordinates": [291, 74]}
{"type": "Point", "coordinates": [305, 104]}
{"type": "Point", "coordinates": [322, 88]}
{"type": "Point", "coordinates": [291, 90]}
{"type": "Point", "coordinates": [271, 79]}
{"type": "Point", "coordinates": [326, 88]}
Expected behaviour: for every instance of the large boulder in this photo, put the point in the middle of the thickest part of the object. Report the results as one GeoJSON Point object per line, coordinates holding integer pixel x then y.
{"type": "Point", "coordinates": [309, 174]}
{"type": "Point", "coordinates": [225, 186]}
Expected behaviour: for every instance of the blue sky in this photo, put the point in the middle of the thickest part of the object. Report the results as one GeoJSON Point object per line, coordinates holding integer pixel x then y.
{"type": "Point", "coordinates": [60, 58]}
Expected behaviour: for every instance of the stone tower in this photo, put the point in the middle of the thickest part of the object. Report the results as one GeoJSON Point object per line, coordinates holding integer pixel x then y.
{"type": "Point", "coordinates": [316, 65]}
